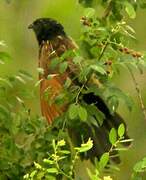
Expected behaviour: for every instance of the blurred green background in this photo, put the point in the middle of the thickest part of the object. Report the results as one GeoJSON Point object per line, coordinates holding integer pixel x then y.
{"type": "Point", "coordinates": [16, 15]}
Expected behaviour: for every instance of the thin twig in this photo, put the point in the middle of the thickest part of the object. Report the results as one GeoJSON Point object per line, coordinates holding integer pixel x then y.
{"type": "Point", "coordinates": [103, 50]}
{"type": "Point", "coordinates": [79, 92]}
{"type": "Point", "coordinates": [138, 92]}
{"type": "Point", "coordinates": [107, 10]}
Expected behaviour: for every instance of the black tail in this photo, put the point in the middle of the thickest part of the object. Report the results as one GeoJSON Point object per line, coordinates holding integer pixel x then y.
{"type": "Point", "coordinates": [100, 135]}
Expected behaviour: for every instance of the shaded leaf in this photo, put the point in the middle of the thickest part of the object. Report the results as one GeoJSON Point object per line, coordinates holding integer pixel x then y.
{"type": "Point", "coordinates": [82, 113]}
{"type": "Point", "coordinates": [73, 111]}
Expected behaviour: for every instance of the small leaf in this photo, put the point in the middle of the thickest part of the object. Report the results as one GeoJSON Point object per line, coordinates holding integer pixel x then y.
{"type": "Point", "coordinates": [98, 69]}
{"type": "Point", "coordinates": [63, 66]}
{"type": "Point", "coordinates": [48, 161]}
{"type": "Point", "coordinates": [33, 173]}
{"type": "Point", "coordinates": [121, 130]}
{"type": "Point", "coordinates": [40, 70]}
{"type": "Point", "coordinates": [89, 12]}
{"type": "Point", "coordinates": [64, 152]}
{"type": "Point", "coordinates": [85, 146]}
{"type": "Point", "coordinates": [82, 113]}
{"type": "Point", "coordinates": [38, 82]}
{"type": "Point", "coordinates": [61, 143]}
{"type": "Point", "coordinates": [104, 160]}
{"type": "Point", "coordinates": [52, 170]}
{"type": "Point", "coordinates": [113, 136]}
{"type": "Point", "coordinates": [38, 166]}
{"type": "Point", "coordinates": [130, 10]}
{"type": "Point", "coordinates": [73, 111]}
{"type": "Point", "coordinates": [20, 79]}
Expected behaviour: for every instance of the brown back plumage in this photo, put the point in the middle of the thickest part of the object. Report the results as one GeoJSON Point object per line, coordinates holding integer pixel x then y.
{"type": "Point", "coordinates": [48, 51]}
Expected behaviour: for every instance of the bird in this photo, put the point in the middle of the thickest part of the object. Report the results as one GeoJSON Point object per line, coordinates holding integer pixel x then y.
{"type": "Point", "coordinates": [54, 42]}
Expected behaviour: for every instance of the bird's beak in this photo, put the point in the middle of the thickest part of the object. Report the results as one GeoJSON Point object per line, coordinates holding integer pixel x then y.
{"type": "Point", "coordinates": [30, 26]}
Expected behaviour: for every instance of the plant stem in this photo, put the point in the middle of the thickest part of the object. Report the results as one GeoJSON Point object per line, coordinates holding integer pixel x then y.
{"type": "Point", "coordinates": [107, 10]}
{"type": "Point", "coordinates": [73, 163]}
{"type": "Point", "coordinates": [80, 90]}
{"type": "Point", "coordinates": [138, 92]}
{"type": "Point", "coordinates": [103, 50]}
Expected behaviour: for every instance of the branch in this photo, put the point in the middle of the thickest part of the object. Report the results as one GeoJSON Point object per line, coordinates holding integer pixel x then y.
{"type": "Point", "coordinates": [107, 10]}
{"type": "Point", "coordinates": [138, 93]}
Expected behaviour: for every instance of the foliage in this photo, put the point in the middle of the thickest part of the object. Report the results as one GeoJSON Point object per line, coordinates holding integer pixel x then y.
{"type": "Point", "coordinates": [139, 169]}
{"type": "Point", "coordinates": [102, 165]}
{"type": "Point", "coordinates": [55, 164]}
{"type": "Point", "coordinates": [25, 138]}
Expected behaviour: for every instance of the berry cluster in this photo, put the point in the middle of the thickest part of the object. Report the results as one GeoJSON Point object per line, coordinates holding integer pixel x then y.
{"type": "Point", "coordinates": [133, 53]}
{"type": "Point", "coordinates": [85, 21]}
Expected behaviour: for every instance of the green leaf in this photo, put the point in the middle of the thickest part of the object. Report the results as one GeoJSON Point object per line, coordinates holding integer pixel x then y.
{"type": "Point", "coordinates": [98, 69]}
{"type": "Point", "coordinates": [19, 78]}
{"type": "Point", "coordinates": [48, 161]}
{"type": "Point", "coordinates": [38, 82]}
{"type": "Point", "coordinates": [113, 136]}
{"type": "Point", "coordinates": [121, 130]}
{"type": "Point", "coordinates": [64, 152]}
{"type": "Point", "coordinates": [104, 160]}
{"type": "Point", "coordinates": [73, 111]}
{"type": "Point", "coordinates": [33, 173]}
{"type": "Point", "coordinates": [89, 12]}
{"type": "Point", "coordinates": [38, 166]}
{"type": "Point", "coordinates": [85, 146]}
{"type": "Point", "coordinates": [82, 113]}
{"type": "Point", "coordinates": [61, 143]}
{"type": "Point", "coordinates": [113, 103]}
{"type": "Point", "coordinates": [4, 56]}
{"type": "Point", "coordinates": [63, 66]}
{"type": "Point", "coordinates": [130, 10]}
{"type": "Point", "coordinates": [95, 112]}
{"type": "Point", "coordinates": [52, 170]}
{"type": "Point", "coordinates": [54, 63]}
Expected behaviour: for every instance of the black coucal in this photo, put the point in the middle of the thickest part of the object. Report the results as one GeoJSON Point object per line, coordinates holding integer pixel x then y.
{"type": "Point", "coordinates": [53, 42]}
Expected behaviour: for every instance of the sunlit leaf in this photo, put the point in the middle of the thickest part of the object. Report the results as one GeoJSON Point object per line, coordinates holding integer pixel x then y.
{"type": "Point", "coordinates": [130, 10]}
{"type": "Point", "coordinates": [121, 130]}
{"type": "Point", "coordinates": [89, 12]}
{"type": "Point", "coordinates": [113, 136]}
{"type": "Point", "coordinates": [104, 160]}
{"type": "Point", "coordinates": [85, 146]}
{"type": "Point", "coordinates": [52, 170]}
{"type": "Point", "coordinates": [98, 69]}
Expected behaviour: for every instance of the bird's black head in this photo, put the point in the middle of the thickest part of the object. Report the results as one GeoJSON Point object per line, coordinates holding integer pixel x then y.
{"type": "Point", "coordinates": [46, 29]}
